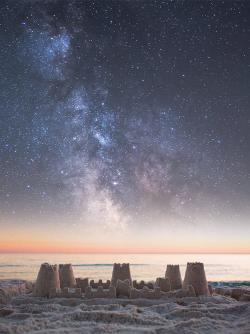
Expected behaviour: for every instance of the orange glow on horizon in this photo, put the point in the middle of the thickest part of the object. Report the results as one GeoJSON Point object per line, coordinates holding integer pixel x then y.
{"type": "Point", "coordinates": [37, 239]}
{"type": "Point", "coordinates": [51, 247]}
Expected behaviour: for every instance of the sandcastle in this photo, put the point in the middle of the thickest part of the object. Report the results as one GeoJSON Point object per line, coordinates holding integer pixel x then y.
{"type": "Point", "coordinates": [174, 275]}
{"type": "Point", "coordinates": [47, 279]}
{"type": "Point", "coordinates": [55, 282]}
{"type": "Point", "coordinates": [195, 276]}
{"type": "Point", "coordinates": [67, 279]}
{"type": "Point", "coordinates": [121, 272]}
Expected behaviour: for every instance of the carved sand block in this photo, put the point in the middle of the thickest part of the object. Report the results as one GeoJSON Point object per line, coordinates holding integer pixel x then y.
{"type": "Point", "coordinates": [71, 293]}
{"type": "Point", "coordinates": [95, 285]}
{"type": "Point", "coordinates": [66, 274]}
{"type": "Point", "coordinates": [186, 292]}
{"type": "Point", "coordinates": [123, 288]}
{"type": "Point", "coordinates": [181, 293]}
{"type": "Point", "coordinates": [145, 292]}
{"type": "Point", "coordinates": [163, 284]}
{"type": "Point", "coordinates": [121, 272]}
{"type": "Point", "coordinates": [82, 283]}
{"type": "Point", "coordinates": [55, 293]}
{"type": "Point", "coordinates": [65, 293]}
{"type": "Point", "coordinates": [237, 293]}
{"type": "Point", "coordinates": [174, 275]}
{"type": "Point", "coordinates": [195, 276]}
{"type": "Point", "coordinates": [245, 298]}
{"type": "Point", "coordinates": [100, 292]}
{"type": "Point", "coordinates": [47, 278]}
{"type": "Point", "coordinates": [211, 289]}
{"type": "Point", "coordinates": [224, 291]}
{"type": "Point", "coordinates": [141, 284]}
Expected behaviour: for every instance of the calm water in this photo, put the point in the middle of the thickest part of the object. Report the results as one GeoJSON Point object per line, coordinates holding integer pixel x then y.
{"type": "Point", "coordinates": [219, 267]}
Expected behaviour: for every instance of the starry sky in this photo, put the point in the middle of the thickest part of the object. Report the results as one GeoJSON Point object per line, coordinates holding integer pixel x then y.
{"type": "Point", "coordinates": [125, 125]}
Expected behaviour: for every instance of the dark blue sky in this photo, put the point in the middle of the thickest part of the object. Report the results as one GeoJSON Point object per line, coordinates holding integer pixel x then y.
{"type": "Point", "coordinates": [125, 112]}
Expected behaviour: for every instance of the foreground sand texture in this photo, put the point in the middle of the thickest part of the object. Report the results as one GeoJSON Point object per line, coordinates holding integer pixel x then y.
{"type": "Point", "coordinates": [189, 315]}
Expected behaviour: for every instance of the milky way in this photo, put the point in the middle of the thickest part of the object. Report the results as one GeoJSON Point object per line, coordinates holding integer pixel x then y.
{"type": "Point", "coordinates": [125, 113]}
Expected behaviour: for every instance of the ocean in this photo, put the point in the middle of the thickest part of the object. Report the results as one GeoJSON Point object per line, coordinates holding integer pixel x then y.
{"type": "Point", "coordinates": [219, 267]}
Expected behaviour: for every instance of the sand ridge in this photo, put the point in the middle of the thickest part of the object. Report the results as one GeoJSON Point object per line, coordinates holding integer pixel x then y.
{"type": "Point", "coordinates": [190, 315]}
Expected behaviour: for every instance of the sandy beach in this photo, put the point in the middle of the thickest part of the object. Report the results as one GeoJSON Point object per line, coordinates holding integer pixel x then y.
{"type": "Point", "coordinates": [21, 313]}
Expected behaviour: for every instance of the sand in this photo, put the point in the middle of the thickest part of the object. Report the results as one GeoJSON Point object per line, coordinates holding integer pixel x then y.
{"type": "Point", "coordinates": [23, 313]}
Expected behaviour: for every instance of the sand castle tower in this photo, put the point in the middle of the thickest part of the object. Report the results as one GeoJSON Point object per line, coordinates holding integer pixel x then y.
{"type": "Point", "coordinates": [67, 279]}
{"type": "Point", "coordinates": [195, 276]}
{"type": "Point", "coordinates": [47, 278]}
{"type": "Point", "coordinates": [121, 272]}
{"type": "Point", "coordinates": [174, 275]}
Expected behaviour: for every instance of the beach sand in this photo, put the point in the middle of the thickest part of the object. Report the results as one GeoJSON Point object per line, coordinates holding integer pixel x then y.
{"type": "Point", "coordinates": [23, 313]}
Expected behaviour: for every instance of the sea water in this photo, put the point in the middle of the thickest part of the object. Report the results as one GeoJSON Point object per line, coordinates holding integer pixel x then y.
{"type": "Point", "coordinates": [219, 267]}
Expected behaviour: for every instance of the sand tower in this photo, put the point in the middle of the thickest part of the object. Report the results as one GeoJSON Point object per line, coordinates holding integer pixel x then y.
{"type": "Point", "coordinates": [121, 272]}
{"type": "Point", "coordinates": [174, 275]}
{"type": "Point", "coordinates": [67, 279]}
{"type": "Point", "coordinates": [195, 276]}
{"type": "Point", "coordinates": [47, 278]}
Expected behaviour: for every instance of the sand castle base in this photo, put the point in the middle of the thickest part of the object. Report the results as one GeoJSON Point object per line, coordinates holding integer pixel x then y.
{"type": "Point", "coordinates": [146, 293]}
{"type": "Point", "coordinates": [100, 292]}
{"type": "Point", "coordinates": [65, 293]}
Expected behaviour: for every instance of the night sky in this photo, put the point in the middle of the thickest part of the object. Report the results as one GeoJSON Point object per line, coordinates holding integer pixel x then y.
{"type": "Point", "coordinates": [125, 117]}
